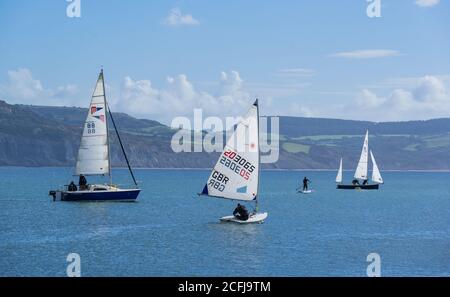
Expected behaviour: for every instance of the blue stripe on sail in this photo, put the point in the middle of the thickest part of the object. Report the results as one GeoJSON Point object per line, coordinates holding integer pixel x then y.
{"type": "Point", "coordinates": [242, 190]}
{"type": "Point", "coordinates": [205, 190]}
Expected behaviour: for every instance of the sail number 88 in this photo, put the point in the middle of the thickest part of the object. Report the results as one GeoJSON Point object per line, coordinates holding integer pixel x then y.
{"type": "Point", "coordinates": [90, 127]}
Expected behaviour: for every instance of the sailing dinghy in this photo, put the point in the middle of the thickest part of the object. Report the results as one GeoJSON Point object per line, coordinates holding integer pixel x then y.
{"type": "Point", "coordinates": [236, 174]}
{"type": "Point", "coordinates": [94, 155]}
{"type": "Point", "coordinates": [360, 181]}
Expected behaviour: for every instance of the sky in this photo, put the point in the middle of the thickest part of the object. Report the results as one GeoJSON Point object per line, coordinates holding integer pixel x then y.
{"type": "Point", "coordinates": [163, 59]}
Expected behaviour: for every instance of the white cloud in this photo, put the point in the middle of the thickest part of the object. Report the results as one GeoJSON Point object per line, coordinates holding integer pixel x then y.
{"type": "Point", "coordinates": [176, 18]}
{"type": "Point", "coordinates": [230, 83]}
{"type": "Point", "coordinates": [367, 99]}
{"type": "Point", "coordinates": [430, 89]}
{"type": "Point", "coordinates": [400, 102]}
{"type": "Point", "coordinates": [400, 99]}
{"type": "Point", "coordinates": [427, 3]}
{"type": "Point", "coordinates": [428, 98]}
{"type": "Point", "coordinates": [229, 95]}
{"type": "Point", "coordinates": [179, 97]}
{"type": "Point", "coordinates": [22, 88]}
{"type": "Point", "coordinates": [22, 84]}
{"type": "Point", "coordinates": [366, 54]}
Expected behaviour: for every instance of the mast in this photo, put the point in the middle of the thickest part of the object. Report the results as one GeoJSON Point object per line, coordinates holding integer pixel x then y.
{"type": "Point", "coordinates": [107, 131]}
{"type": "Point", "coordinates": [259, 157]}
{"type": "Point", "coordinates": [121, 146]}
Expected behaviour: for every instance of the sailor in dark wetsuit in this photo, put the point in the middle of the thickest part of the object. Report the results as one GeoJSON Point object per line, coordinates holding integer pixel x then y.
{"type": "Point", "coordinates": [82, 183]}
{"type": "Point", "coordinates": [241, 213]}
{"type": "Point", "coordinates": [72, 187]}
{"type": "Point", "coordinates": [355, 182]}
{"type": "Point", "coordinates": [305, 183]}
{"type": "Point", "coordinates": [365, 182]}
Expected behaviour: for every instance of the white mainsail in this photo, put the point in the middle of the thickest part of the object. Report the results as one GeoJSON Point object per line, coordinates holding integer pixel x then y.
{"type": "Point", "coordinates": [339, 174]}
{"type": "Point", "coordinates": [235, 176]}
{"type": "Point", "coordinates": [361, 170]}
{"type": "Point", "coordinates": [376, 175]}
{"type": "Point", "coordinates": [93, 154]}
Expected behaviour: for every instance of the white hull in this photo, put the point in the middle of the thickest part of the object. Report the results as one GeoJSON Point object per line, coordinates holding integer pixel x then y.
{"type": "Point", "coordinates": [305, 192]}
{"type": "Point", "coordinates": [254, 218]}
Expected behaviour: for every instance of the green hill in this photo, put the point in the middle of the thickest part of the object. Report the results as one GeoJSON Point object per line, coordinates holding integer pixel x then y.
{"type": "Point", "coordinates": [49, 136]}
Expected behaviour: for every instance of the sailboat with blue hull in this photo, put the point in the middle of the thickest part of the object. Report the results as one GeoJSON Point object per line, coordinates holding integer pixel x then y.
{"type": "Point", "coordinates": [94, 156]}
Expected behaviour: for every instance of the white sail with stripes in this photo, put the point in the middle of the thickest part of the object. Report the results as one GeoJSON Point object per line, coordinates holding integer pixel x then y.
{"type": "Point", "coordinates": [235, 176]}
{"type": "Point", "coordinates": [93, 154]}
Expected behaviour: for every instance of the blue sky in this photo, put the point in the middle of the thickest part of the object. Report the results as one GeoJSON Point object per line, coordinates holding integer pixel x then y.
{"type": "Point", "coordinates": [165, 58]}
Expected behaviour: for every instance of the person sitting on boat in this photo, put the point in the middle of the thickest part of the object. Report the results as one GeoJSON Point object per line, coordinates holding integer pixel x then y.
{"type": "Point", "coordinates": [305, 183]}
{"type": "Point", "coordinates": [241, 212]}
{"type": "Point", "coordinates": [72, 187]}
{"type": "Point", "coordinates": [355, 182]}
{"type": "Point", "coordinates": [365, 182]}
{"type": "Point", "coordinates": [82, 183]}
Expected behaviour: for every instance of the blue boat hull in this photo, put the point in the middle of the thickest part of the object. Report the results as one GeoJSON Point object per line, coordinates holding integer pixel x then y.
{"type": "Point", "coordinates": [358, 187]}
{"type": "Point", "coordinates": [122, 195]}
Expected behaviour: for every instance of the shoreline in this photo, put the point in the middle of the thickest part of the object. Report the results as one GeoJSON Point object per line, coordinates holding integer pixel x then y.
{"type": "Point", "coordinates": [265, 169]}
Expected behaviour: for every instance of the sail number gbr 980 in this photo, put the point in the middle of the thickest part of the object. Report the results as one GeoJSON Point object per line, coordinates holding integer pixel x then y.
{"type": "Point", "coordinates": [237, 164]}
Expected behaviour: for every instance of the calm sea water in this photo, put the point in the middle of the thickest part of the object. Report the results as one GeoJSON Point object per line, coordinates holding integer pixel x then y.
{"type": "Point", "coordinates": [172, 232]}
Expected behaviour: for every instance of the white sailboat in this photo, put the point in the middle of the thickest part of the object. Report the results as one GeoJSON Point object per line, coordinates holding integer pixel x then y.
{"type": "Point", "coordinates": [236, 174]}
{"type": "Point", "coordinates": [339, 174]}
{"type": "Point", "coordinates": [361, 174]}
{"type": "Point", "coordinates": [94, 155]}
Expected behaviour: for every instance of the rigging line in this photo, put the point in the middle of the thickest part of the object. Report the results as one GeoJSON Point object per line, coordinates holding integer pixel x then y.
{"type": "Point", "coordinates": [121, 145]}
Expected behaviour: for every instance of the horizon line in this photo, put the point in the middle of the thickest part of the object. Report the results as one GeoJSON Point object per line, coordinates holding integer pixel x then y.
{"type": "Point", "coordinates": [263, 169]}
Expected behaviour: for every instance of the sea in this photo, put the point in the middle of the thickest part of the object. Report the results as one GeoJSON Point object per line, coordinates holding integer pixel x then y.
{"type": "Point", "coordinates": [171, 231]}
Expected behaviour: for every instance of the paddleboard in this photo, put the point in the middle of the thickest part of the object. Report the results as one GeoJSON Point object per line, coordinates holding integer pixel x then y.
{"type": "Point", "coordinates": [254, 218]}
{"type": "Point", "coordinates": [305, 192]}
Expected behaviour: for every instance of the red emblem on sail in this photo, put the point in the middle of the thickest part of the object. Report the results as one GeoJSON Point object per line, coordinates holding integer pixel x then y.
{"type": "Point", "coordinates": [94, 109]}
